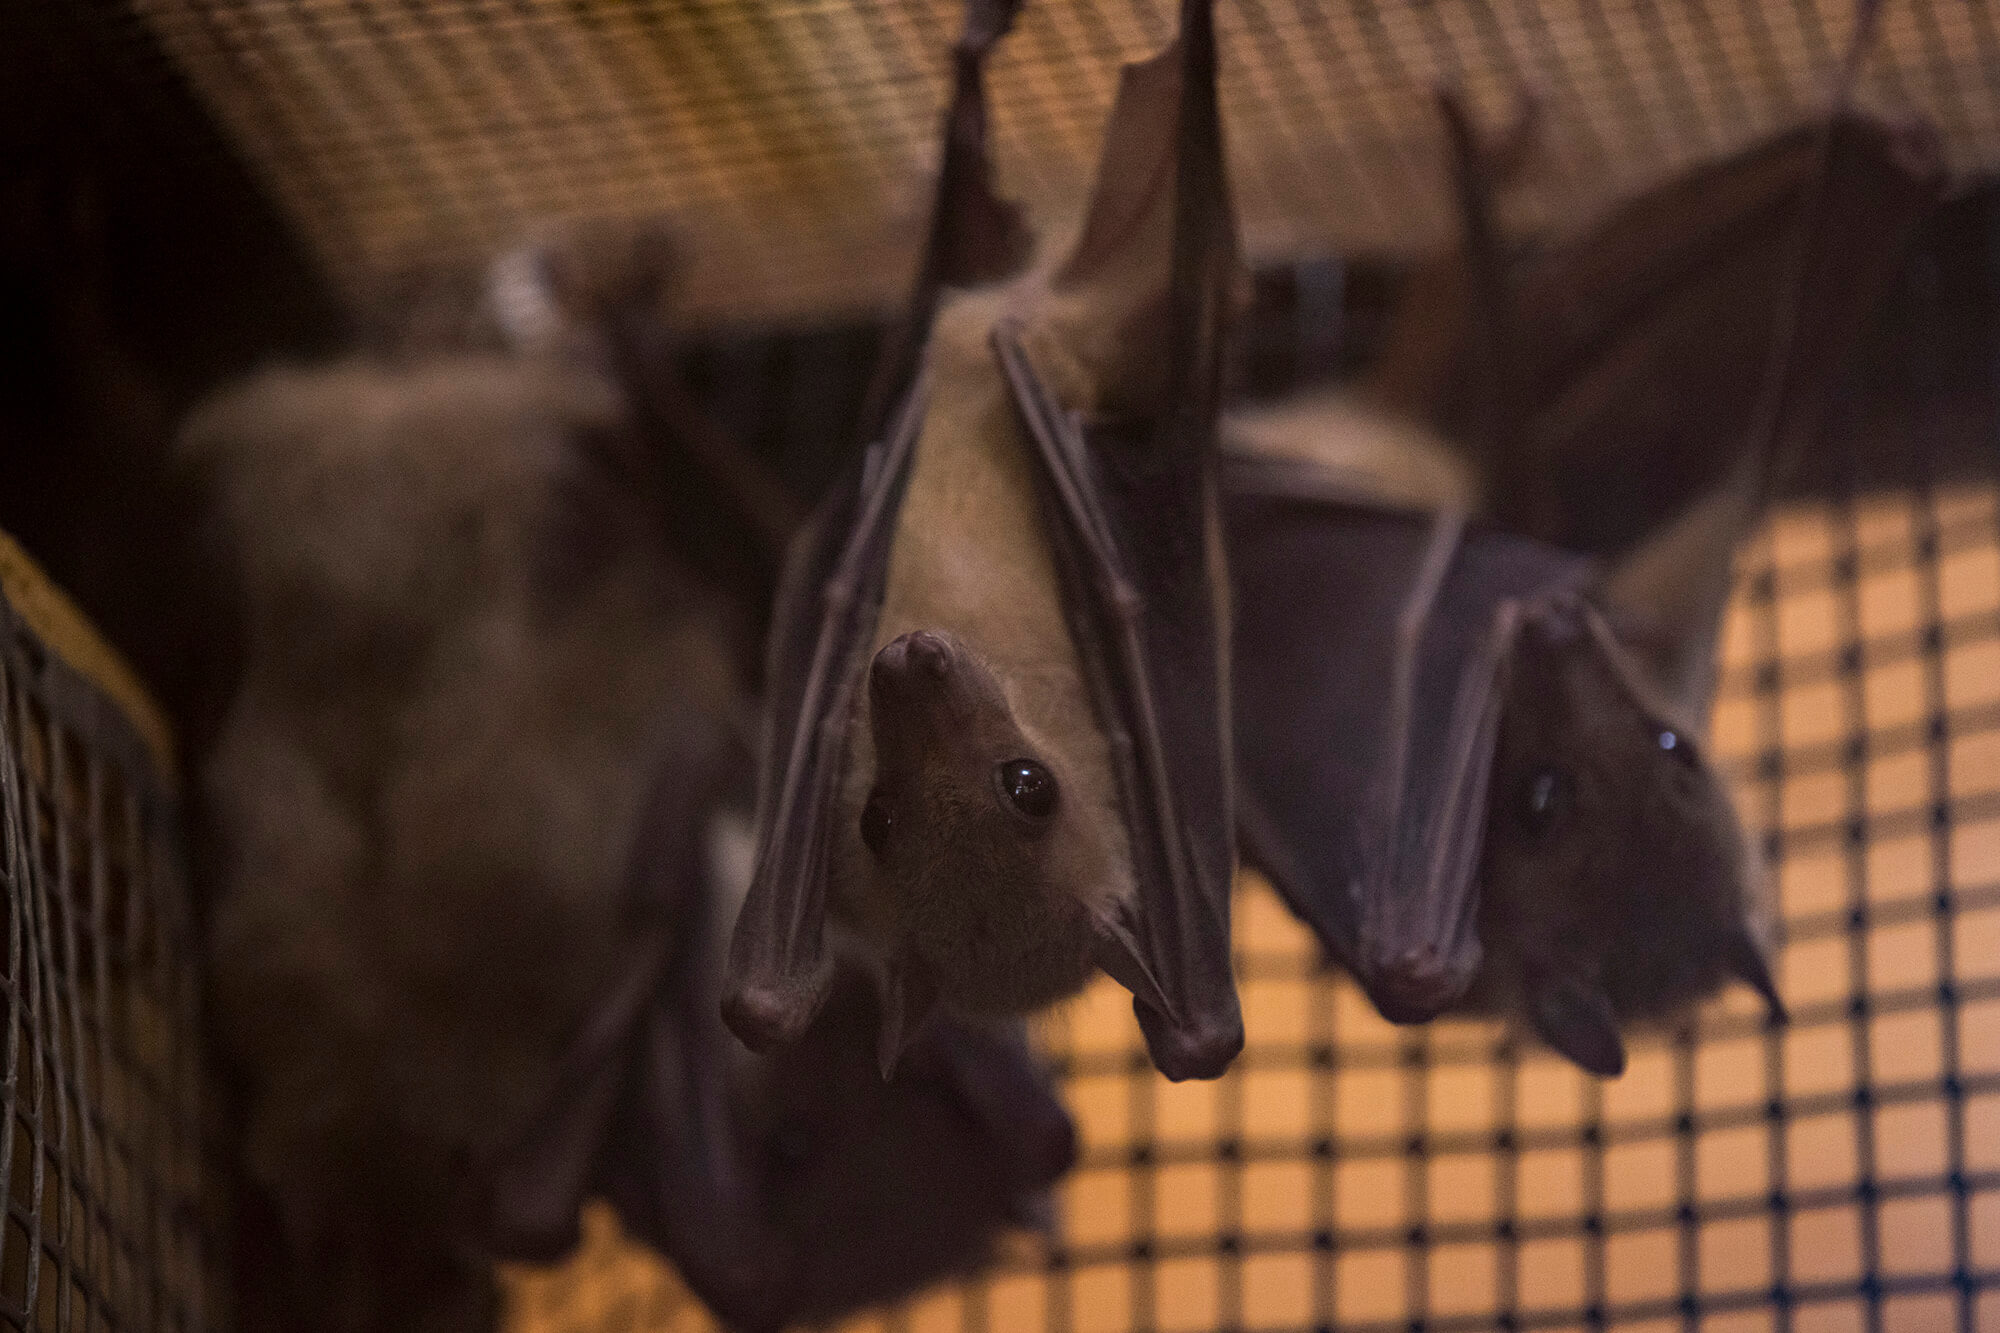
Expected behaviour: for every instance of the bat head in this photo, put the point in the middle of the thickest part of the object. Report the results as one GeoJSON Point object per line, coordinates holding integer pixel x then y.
{"type": "Point", "coordinates": [969, 831]}
{"type": "Point", "coordinates": [1617, 885]}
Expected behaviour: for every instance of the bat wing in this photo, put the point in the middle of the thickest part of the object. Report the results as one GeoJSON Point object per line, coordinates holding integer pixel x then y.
{"type": "Point", "coordinates": [1130, 504]}
{"type": "Point", "coordinates": [1371, 650]}
{"type": "Point", "coordinates": [640, 1110]}
{"type": "Point", "coordinates": [779, 969]}
{"type": "Point", "coordinates": [1651, 331]}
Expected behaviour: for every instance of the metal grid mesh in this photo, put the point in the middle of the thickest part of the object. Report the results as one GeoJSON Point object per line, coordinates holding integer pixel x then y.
{"type": "Point", "coordinates": [793, 140]}
{"type": "Point", "coordinates": [101, 1148]}
{"type": "Point", "coordinates": [1839, 1173]}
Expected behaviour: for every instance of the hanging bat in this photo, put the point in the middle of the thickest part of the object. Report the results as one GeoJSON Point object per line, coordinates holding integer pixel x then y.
{"type": "Point", "coordinates": [792, 1187]}
{"type": "Point", "coordinates": [1471, 749]}
{"type": "Point", "coordinates": [463, 641]}
{"type": "Point", "coordinates": [462, 804]}
{"type": "Point", "coordinates": [998, 744]}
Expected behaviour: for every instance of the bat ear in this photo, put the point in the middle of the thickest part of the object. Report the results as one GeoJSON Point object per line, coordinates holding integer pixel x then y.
{"type": "Point", "coordinates": [1670, 592]}
{"type": "Point", "coordinates": [1746, 960]}
{"type": "Point", "coordinates": [1575, 1017]}
{"type": "Point", "coordinates": [1035, 1210]}
{"type": "Point", "coordinates": [909, 998]}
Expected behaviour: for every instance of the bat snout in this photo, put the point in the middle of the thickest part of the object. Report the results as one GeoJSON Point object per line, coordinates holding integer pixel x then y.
{"type": "Point", "coordinates": [918, 660]}
{"type": "Point", "coordinates": [1414, 985]}
{"type": "Point", "coordinates": [919, 655]}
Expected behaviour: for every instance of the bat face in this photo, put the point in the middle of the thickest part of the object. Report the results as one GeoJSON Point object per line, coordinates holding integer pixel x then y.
{"type": "Point", "coordinates": [1615, 878]}
{"type": "Point", "coordinates": [968, 830]}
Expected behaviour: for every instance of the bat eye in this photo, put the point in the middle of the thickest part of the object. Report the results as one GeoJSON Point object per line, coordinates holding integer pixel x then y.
{"type": "Point", "coordinates": [1028, 787]}
{"type": "Point", "coordinates": [1673, 743]}
{"type": "Point", "coordinates": [876, 821]}
{"type": "Point", "coordinates": [1548, 799]}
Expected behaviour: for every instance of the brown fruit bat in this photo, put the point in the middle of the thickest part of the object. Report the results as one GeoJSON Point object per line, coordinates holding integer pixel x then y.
{"type": "Point", "coordinates": [1471, 751]}
{"type": "Point", "coordinates": [600, 293]}
{"type": "Point", "coordinates": [460, 807]}
{"type": "Point", "coordinates": [998, 746]}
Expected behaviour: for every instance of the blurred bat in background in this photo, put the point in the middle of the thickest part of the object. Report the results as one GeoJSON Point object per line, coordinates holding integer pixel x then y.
{"type": "Point", "coordinates": [998, 744]}
{"type": "Point", "coordinates": [1471, 747]}
{"type": "Point", "coordinates": [464, 651]}
{"type": "Point", "coordinates": [459, 815]}
{"type": "Point", "coordinates": [599, 294]}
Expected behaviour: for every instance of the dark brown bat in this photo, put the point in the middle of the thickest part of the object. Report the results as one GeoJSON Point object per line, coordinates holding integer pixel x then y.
{"type": "Point", "coordinates": [792, 1187]}
{"type": "Point", "coordinates": [1472, 752]}
{"type": "Point", "coordinates": [464, 800]}
{"type": "Point", "coordinates": [998, 743]}
{"type": "Point", "coordinates": [417, 822]}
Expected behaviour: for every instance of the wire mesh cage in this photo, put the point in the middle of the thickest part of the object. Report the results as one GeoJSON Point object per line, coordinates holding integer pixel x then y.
{"type": "Point", "coordinates": [1840, 1172]}
{"type": "Point", "coordinates": [104, 1154]}
{"type": "Point", "coordinates": [791, 141]}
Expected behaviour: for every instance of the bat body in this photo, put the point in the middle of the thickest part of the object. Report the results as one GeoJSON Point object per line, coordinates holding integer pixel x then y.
{"type": "Point", "coordinates": [993, 900]}
{"type": "Point", "coordinates": [599, 295]}
{"type": "Point", "coordinates": [1471, 706]}
{"type": "Point", "coordinates": [464, 954]}
{"type": "Point", "coordinates": [998, 746]}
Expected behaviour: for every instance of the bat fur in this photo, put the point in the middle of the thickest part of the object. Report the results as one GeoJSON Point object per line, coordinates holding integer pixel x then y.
{"type": "Point", "coordinates": [424, 789]}
{"type": "Point", "coordinates": [999, 917]}
{"type": "Point", "coordinates": [1615, 884]}
{"type": "Point", "coordinates": [1379, 454]}
{"type": "Point", "coordinates": [1002, 920]}
{"type": "Point", "coordinates": [470, 656]}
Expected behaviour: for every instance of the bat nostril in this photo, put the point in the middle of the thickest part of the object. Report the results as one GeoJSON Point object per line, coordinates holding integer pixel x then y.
{"type": "Point", "coordinates": [929, 653]}
{"type": "Point", "coordinates": [919, 653]}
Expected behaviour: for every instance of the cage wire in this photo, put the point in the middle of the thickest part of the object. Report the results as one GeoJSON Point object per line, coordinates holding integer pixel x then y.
{"type": "Point", "coordinates": [793, 141]}
{"type": "Point", "coordinates": [103, 1155]}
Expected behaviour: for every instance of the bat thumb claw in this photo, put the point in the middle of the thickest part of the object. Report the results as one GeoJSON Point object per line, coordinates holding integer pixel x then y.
{"type": "Point", "coordinates": [1203, 1048]}
{"type": "Point", "coordinates": [766, 1014]}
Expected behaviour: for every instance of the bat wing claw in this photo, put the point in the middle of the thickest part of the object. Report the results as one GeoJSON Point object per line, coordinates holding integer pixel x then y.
{"type": "Point", "coordinates": [1200, 1048]}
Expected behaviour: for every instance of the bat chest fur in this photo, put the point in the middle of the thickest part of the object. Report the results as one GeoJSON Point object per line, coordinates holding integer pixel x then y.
{"type": "Point", "coordinates": [970, 557]}
{"type": "Point", "coordinates": [1395, 461]}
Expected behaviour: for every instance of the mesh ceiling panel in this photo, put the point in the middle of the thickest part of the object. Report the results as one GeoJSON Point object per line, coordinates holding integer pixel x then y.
{"type": "Point", "coordinates": [792, 140]}
{"type": "Point", "coordinates": [1839, 1173]}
